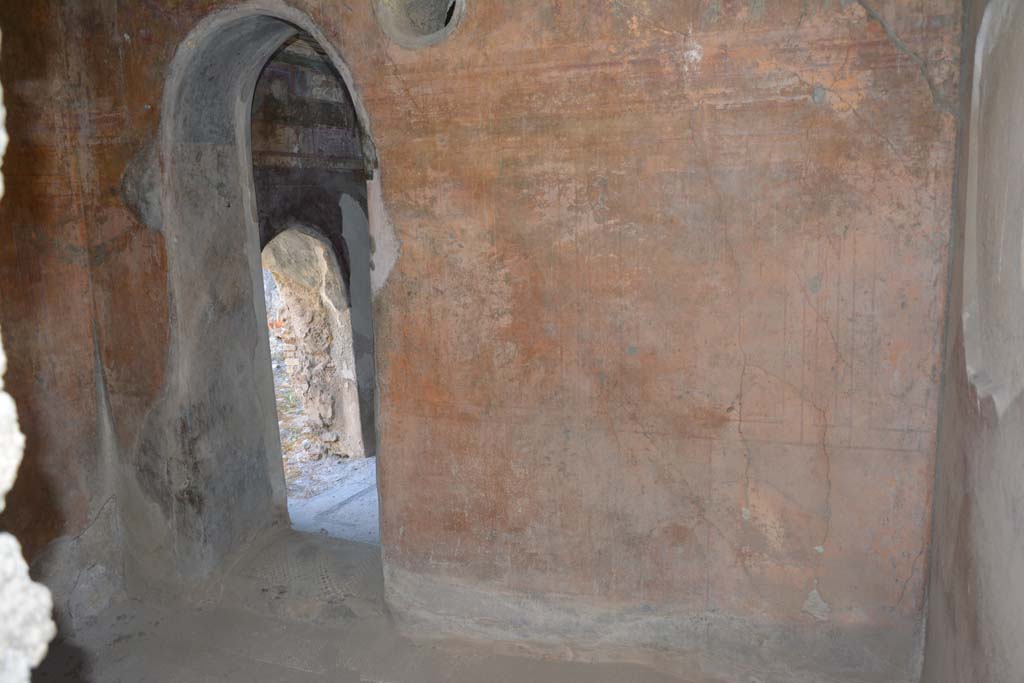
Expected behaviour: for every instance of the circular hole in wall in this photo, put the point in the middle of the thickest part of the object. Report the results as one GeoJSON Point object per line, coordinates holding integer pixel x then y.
{"type": "Point", "coordinates": [418, 23]}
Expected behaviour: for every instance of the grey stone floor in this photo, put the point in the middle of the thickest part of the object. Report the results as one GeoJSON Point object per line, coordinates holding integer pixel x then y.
{"type": "Point", "coordinates": [298, 607]}
{"type": "Point", "coordinates": [347, 509]}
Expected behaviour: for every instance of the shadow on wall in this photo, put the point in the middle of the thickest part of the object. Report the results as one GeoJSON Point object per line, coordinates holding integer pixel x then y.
{"type": "Point", "coordinates": [27, 627]}
{"type": "Point", "coordinates": [62, 507]}
{"type": "Point", "coordinates": [360, 248]}
{"type": "Point", "coordinates": [36, 515]}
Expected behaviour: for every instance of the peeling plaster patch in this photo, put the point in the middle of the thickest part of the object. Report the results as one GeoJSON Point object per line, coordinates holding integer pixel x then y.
{"type": "Point", "coordinates": [385, 245]}
{"type": "Point", "coordinates": [95, 589]}
{"type": "Point", "coordinates": [816, 606]}
{"type": "Point", "coordinates": [694, 52]}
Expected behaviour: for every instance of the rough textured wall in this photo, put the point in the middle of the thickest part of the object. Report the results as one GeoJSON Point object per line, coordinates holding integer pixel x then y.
{"type": "Point", "coordinates": [661, 343]}
{"type": "Point", "coordinates": [316, 321]}
{"type": "Point", "coordinates": [45, 292]}
{"type": "Point", "coordinates": [307, 154]}
{"type": "Point", "coordinates": [82, 300]}
{"type": "Point", "coordinates": [976, 603]}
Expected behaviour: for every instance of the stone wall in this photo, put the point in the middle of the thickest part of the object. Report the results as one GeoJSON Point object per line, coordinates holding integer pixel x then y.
{"type": "Point", "coordinates": [658, 327]}
{"type": "Point", "coordinates": [315, 325]}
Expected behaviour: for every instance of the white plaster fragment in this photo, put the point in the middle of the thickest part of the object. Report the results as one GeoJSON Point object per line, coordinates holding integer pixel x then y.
{"type": "Point", "coordinates": [385, 243]}
{"type": "Point", "coordinates": [693, 53]}
{"type": "Point", "coordinates": [3, 148]}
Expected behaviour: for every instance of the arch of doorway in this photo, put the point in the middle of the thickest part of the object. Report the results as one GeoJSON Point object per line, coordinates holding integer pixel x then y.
{"type": "Point", "coordinates": [206, 476]}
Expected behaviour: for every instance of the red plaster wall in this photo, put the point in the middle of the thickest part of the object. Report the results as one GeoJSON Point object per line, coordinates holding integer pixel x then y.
{"type": "Point", "coordinates": [80, 279]}
{"type": "Point", "coordinates": [662, 323]}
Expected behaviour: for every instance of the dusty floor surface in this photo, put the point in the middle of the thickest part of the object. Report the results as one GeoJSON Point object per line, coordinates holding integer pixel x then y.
{"type": "Point", "coordinates": [346, 508]}
{"type": "Point", "coordinates": [297, 608]}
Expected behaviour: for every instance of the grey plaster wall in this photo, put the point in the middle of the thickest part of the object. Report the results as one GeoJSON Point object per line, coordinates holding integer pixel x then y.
{"type": "Point", "coordinates": [976, 598]}
{"type": "Point", "coordinates": [360, 247]}
{"type": "Point", "coordinates": [206, 476]}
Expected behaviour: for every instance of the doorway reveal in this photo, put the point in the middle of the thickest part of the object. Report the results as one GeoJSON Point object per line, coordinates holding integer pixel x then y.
{"type": "Point", "coordinates": [307, 160]}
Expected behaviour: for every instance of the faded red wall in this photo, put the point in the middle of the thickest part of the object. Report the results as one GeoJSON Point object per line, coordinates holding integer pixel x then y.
{"type": "Point", "coordinates": [80, 279]}
{"type": "Point", "coordinates": [666, 315]}
{"type": "Point", "coordinates": [662, 323]}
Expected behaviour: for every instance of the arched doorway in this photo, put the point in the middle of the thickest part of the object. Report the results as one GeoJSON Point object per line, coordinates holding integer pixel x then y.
{"type": "Point", "coordinates": [330, 480]}
{"type": "Point", "coordinates": [308, 162]}
{"type": "Point", "coordinates": [206, 475]}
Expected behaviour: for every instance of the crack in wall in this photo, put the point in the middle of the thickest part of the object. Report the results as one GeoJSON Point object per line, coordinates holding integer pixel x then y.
{"type": "Point", "coordinates": [921, 62]}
